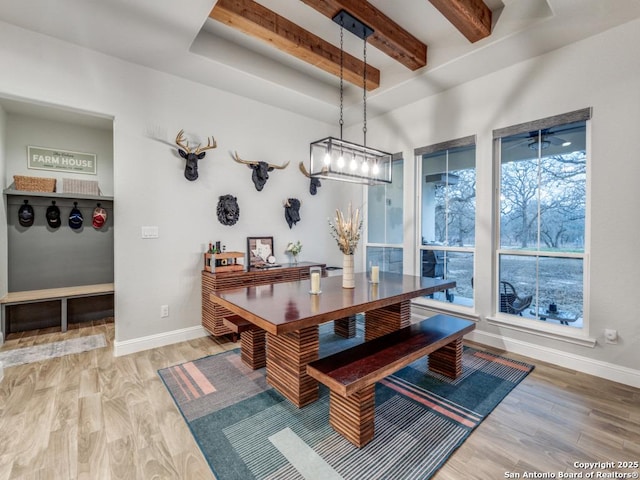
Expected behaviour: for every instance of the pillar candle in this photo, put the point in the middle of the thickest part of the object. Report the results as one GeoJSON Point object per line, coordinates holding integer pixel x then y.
{"type": "Point", "coordinates": [375, 274]}
{"type": "Point", "coordinates": [315, 282]}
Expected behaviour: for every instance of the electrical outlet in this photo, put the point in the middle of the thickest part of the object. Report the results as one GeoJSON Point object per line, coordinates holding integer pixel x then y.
{"type": "Point", "coordinates": [164, 311]}
{"type": "Point", "coordinates": [610, 336]}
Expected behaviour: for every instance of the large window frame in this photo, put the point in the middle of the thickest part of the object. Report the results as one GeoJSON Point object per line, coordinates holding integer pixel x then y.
{"type": "Point", "coordinates": [437, 258]}
{"type": "Point", "coordinates": [529, 321]}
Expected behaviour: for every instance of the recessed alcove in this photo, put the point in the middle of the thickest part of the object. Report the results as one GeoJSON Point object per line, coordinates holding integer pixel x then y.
{"type": "Point", "coordinates": [40, 256]}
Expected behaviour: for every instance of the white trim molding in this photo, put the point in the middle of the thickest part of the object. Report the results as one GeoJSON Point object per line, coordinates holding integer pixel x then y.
{"type": "Point", "coordinates": [127, 347]}
{"type": "Point", "coordinates": [609, 371]}
{"type": "Point", "coordinates": [598, 368]}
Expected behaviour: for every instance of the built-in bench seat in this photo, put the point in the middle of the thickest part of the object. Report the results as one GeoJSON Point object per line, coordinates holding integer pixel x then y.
{"type": "Point", "coordinates": [48, 294]}
{"type": "Point", "coordinates": [252, 340]}
{"type": "Point", "coordinates": [351, 374]}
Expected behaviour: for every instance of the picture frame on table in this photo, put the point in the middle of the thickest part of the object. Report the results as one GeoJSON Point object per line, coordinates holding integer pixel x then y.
{"type": "Point", "coordinates": [260, 252]}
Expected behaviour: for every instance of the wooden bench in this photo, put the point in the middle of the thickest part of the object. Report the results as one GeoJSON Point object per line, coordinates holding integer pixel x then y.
{"type": "Point", "coordinates": [49, 294]}
{"type": "Point", "coordinates": [351, 374]}
{"type": "Point", "coordinates": [252, 340]}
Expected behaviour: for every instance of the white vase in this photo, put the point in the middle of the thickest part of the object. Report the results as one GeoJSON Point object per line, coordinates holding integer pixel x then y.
{"type": "Point", "coordinates": [348, 280]}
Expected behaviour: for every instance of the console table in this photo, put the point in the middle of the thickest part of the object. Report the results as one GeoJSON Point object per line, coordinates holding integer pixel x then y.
{"type": "Point", "coordinates": [212, 314]}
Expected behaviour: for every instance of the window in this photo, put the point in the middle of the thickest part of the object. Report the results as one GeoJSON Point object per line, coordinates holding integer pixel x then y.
{"type": "Point", "coordinates": [385, 222]}
{"type": "Point", "coordinates": [446, 176]}
{"type": "Point", "coordinates": [542, 206]}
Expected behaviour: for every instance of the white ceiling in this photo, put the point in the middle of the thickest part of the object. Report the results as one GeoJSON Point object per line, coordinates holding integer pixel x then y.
{"type": "Point", "coordinates": [177, 37]}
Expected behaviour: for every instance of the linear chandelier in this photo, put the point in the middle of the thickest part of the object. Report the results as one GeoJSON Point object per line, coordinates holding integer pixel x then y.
{"type": "Point", "coordinates": [338, 159]}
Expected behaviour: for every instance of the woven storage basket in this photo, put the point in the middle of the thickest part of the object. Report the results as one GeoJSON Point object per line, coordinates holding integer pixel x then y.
{"type": "Point", "coordinates": [34, 184]}
{"type": "Point", "coordinates": [88, 187]}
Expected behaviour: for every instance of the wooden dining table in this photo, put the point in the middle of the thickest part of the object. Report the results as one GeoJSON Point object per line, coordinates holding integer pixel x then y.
{"type": "Point", "coordinates": [290, 316]}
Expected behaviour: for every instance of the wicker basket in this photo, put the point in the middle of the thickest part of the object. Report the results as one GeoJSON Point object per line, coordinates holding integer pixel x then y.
{"type": "Point", "coordinates": [87, 187]}
{"type": "Point", "coordinates": [34, 184]}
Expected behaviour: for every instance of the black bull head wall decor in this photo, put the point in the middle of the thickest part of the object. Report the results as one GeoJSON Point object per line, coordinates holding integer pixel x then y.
{"type": "Point", "coordinates": [314, 183]}
{"type": "Point", "coordinates": [292, 211]}
{"type": "Point", "coordinates": [261, 170]}
{"type": "Point", "coordinates": [192, 157]}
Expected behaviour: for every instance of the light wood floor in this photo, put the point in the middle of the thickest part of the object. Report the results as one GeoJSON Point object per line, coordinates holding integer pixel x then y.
{"type": "Point", "coordinates": [95, 416]}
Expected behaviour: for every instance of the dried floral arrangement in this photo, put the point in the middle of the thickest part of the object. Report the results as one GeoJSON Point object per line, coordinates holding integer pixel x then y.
{"type": "Point", "coordinates": [346, 230]}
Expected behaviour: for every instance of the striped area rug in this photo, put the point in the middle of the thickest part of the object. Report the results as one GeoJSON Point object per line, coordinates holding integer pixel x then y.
{"type": "Point", "coordinates": [246, 430]}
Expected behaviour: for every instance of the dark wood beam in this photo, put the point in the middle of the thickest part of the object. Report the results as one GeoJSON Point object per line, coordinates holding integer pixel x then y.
{"type": "Point", "coordinates": [388, 36]}
{"type": "Point", "coordinates": [471, 17]}
{"type": "Point", "coordinates": [260, 22]}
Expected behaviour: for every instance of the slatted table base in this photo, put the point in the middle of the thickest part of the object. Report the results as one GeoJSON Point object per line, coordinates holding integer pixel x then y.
{"type": "Point", "coordinates": [447, 360]}
{"type": "Point", "coordinates": [353, 416]}
{"type": "Point", "coordinates": [253, 348]}
{"type": "Point", "coordinates": [287, 357]}
{"type": "Point", "coordinates": [345, 327]}
{"type": "Point", "coordinates": [385, 320]}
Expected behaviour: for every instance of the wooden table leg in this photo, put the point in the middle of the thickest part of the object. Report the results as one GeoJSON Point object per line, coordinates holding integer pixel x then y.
{"type": "Point", "coordinates": [353, 416]}
{"type": "Point", "coordinates": [345, 327]}
{"type": "Point", "coordinates": [447, 360]}
{"type": "Point", "coordinates": [385, 320]}
{"type": "Point", "coordinates": [287, 357]}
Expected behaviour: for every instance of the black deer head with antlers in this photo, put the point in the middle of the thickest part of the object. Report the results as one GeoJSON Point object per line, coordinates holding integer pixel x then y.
{"type": "Point", "coordinates": [192, 157]}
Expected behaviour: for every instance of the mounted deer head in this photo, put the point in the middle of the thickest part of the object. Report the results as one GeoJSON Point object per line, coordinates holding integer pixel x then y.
{"type": "Point", "coordinates": [191, 167]}
{"type": "Point", "coordinates": [314, 183]}
{"type": "Point", "coordinates": [260, 173]}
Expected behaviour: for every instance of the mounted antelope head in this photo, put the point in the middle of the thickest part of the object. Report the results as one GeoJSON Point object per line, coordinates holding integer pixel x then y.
{"type": "Point", "coordinates": [260, 173]}
{"type": "Point", "coordinates": [191, 167]}
{"type": "Point", "coordinates": [314, 183]}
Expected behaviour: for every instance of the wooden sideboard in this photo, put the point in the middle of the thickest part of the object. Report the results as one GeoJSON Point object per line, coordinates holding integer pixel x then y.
{"type": "Point", "coordinates": [213, 314]}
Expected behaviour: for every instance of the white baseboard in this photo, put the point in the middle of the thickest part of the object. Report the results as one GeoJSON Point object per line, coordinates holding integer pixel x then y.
{"type": "Point", "coordinates": [609, 371]}
{"type": "Point", "coordinates": [598, 368]}
{"type": "Point", "coordinates": [158, 340]}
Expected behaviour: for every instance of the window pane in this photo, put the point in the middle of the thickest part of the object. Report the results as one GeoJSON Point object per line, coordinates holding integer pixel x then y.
{"type": "Point", "coordinates": [542, 187]}
{"type": "Point", "coordinates": [457, 266]}
{"type": "Point", "coordinates": [388, 259]}
{"type": "Point", "coordinates": [542, 209]}
{"type": "Point", "coordinates": [384, 209]}
{"type": "Point", "coordinates": [552, 284]}
{"type": "Point", "coordinates": [449, 197]}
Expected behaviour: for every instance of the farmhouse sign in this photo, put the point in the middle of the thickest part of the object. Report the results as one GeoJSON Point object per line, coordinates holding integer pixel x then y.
{"type": "Point", "coordinates": [40, 158]}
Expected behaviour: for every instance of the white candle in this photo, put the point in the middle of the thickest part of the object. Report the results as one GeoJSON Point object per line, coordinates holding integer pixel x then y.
{"type": "Point", "coordinates": [375, 274]}
{"type": "Point", "coordinates": [315, 282]}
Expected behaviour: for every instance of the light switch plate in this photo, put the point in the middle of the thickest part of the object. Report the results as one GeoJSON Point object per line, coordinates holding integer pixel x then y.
{"type": "Point", "coordinates": [149, 232]}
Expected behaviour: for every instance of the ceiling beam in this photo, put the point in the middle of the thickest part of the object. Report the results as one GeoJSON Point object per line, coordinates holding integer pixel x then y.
{"type": "Point", "coordinates": [471, 17]}
{"type": "Point", "coordinates": [388, 36]}
{"type": "Point", "coordinates": [260, 22]}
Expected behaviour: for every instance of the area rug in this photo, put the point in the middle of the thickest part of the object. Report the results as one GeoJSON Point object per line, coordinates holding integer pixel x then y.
{"type": "Point", "coordinates": [247, 430]}
{"type": "Point", "coordinates": [36, 353]}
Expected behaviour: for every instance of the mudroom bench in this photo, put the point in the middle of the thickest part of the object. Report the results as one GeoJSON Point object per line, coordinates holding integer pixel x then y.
{"type": "Point", "coordinates": [51, 294]}
{"type": "Point", "coordinates": [351, 374]}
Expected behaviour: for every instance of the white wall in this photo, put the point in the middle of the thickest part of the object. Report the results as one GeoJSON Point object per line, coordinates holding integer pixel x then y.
{"type": "Point", "coordinates": [28, 130]}
{"type": "Point", "coordinates": [149, 108]}
{"type": "Point", "coordinates": [3, 212]}
{"type": "Point", "coordinates": [601, 72]}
